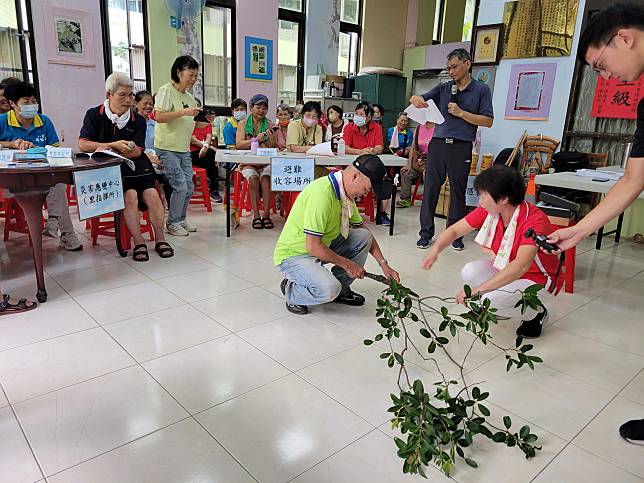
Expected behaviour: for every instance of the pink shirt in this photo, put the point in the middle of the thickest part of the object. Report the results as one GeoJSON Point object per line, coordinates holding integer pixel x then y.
{"type": "Point", "coordinates": [424, 137]}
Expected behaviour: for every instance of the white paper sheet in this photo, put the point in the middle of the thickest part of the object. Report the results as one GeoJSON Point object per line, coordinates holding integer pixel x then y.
{"type": "Point", "coordinates": [426, 114]}
{"type": "Point", "coordinates": [322, 149]}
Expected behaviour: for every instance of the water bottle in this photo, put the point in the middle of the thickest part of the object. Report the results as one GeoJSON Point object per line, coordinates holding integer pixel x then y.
{"type": "Point", "coordinates": [254, 144]}
{"type": "Point", "coordinates": [341, 147]}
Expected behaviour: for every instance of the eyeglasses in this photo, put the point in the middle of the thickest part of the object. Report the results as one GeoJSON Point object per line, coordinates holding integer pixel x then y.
{"type": "Point", "coordinates": [454, 66]}
{"type": "Point", "coordinates": [597, 66]}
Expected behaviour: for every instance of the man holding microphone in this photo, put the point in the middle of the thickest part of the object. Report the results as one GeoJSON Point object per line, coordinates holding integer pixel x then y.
{"type": "Point", "coordinates": [466, 104]}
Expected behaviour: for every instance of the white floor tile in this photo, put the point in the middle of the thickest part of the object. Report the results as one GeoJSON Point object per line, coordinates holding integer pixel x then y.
{"type": "Point", "coordinates": [204, 284]}
{"type": "Point", "coordinates": [182, 262]}
{"type": "Point", "coordinates": [74, 424]}
{"type": "Point", "coordinates": [17, 463]}
{"type": "Point", "coordinates": [97, 279]}
{"type": "Point", "coordinates": [574, 465]}
{"type": "Point", "coordinates": [3, 399]}
{"type": "Point", "coordinates": [163, 332]}
{"type": "Point", "coordinates": [49, 365]}
{"type": "Point", "coordinates": [25, 287]}
{"type": "Point", "coordinates": [366, 388]}
{"type": "Point", "coordinates": [361, 321]}
{"type": "Point", "coordinates": [210, 373]}
{"type": "Point", "coordinates": [297, 341]}
{"type": "Point", "coordinates": [222, 255]}
{"type": "Point", "coordinates": [602, 438]}
{"type": "Point", "coordinates": [283, 429]}
{"type": "Point", "coordinates": [51, 319]}
{"type": "Point", "coordinates": [59, 261]}
{"type": "Point", "coordinates": [555, 401]}
{"type": "Point", "coordinates": [243, 309]}
{"type": "Point", "coordinates": [259, 271]}
{"type": "Point", "coordinates": [182, 452]}
{"type": "Point", "coordinates": [635, 390]}
{"type": "Point", "coordinates": [371, 459]}
{"type": "Point", "coordinates": [127, 302]}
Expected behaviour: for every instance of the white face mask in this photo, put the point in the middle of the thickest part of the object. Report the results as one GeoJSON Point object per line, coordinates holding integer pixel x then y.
{"type": "Point", "coordinates": [332, 117]}
{"type": "Point", "coordinates": [239, 115]}
{"type": "Point", "coordinates": [29, 111]}
{"type": "Point", "coordinates": [359, 121]}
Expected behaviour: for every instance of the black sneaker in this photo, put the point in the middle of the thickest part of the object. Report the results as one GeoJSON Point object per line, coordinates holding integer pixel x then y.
{"type": "Point", "coordinates": [349, 297]}
{"type": "Point", "coordinates": [293, 308]}
{"type": "Point", "coordinates": [423, 243]}
{"type": "Point", "coordinates": [633, 431]}
{"type": "Point", "coordinates": [531, 329]}
{"type": "Point", "coordinates": [458, 245]}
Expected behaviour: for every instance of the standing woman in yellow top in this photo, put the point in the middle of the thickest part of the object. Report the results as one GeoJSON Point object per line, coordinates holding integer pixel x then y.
{"type": "Point", "coordinates": [175, 109]}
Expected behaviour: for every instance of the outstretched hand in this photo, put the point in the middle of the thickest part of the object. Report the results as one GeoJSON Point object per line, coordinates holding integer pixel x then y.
{"type": "Point", "coordinates": [566, 238]}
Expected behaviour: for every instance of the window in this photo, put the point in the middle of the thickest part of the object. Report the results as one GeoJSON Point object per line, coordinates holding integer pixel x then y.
{"type": "Point", "coordinates": [350, 29]}
{"type": "Point", "coordinates": [218, 54]}
{"type": "Point", "coordinates": [16, 49]}
{"type": "Point", "coordinates": [439, 15]}
{"type": "Point", "coordinates": [469, 20]}
{"type": "Point", "coordinates": [290, 51]}
{"type": "Point", "coordinates": [125, 34]}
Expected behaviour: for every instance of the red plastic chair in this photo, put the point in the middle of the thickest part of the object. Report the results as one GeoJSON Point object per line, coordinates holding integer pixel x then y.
{"type": "Point", "coordinates": [367, 205]}
{"type": "Point", "coordinates": [567, 278]}
{"type": "Point", "coordinates": [72, 200]}
{"type": "Point", "coordinates": [104, 226]}
{"type": "Point", "coordinates": [14, 219]}
{"type": "Point", "coordinates": [201, 193]}
{"type": "Point", "coordinates": [415, 196]}
{"type": "Point", "coordinates": [242, 196]}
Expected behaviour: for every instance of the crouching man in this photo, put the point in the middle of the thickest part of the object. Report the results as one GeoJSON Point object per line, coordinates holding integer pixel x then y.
{"type": "Point", "coordinates": [324, 226]}
{"type": "Point", "coordinates": [503, 217]}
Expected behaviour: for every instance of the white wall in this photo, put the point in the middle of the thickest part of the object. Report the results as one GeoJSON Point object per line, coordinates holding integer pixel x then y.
{"type": "Point", "coordinates": [67, 91]}
{"type": "Point", "coordinates": [322, 36]}
{"type": "Point", "coordinates": [505, 133]}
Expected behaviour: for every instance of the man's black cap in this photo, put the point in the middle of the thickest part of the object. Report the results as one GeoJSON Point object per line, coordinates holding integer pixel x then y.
{"type": "Point", "coordinates": [371, 166]}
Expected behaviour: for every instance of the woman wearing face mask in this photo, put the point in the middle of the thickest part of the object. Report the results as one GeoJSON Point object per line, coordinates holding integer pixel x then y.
{"type": "Point", "coordinates": [304, 133]}
{"type": "Point", "coordinates": [336, 123]}
{"type": "Point", "coordinates": [283, 120]}
{"type": "Point", "coordinates": [239, 108]}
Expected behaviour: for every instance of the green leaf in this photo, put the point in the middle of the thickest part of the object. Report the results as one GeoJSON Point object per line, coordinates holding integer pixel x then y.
{"type": "Point", "coordinates": [452, 330]}
{"type": "Point", "coordinates": [425, 333]}
{"type": "Point", "coordinates": [484, 411]}
{"type": "Point", "coordinates": [442, 340]}
{"type": "Point", "coordinates": [390, 361]}
{"type": "Point", "coordinates": [507, 368]}
{"type": "Point", "coordinates": [507, 422]}
{"type": "Point", "coordinates": [531, 438]}
{"type": "Point", "coordinates": [378, 337]}
{"type": "Point", "coordinates": [524, 431]}
{"type": "Point", "coordinates": [432, 347]}
{"type": "Point", "coordinates": [368, 342]}
{"type": "Point", "coordinates": [526, 348]}
{"type": "Point", "coordinates": [476, 392]}
{"type": "Point", "coordinates": [444, 311]}
{"type": "Point", "coordinates": [384, 355]}
{"type": "Point", "coordinates": [499, 437]}
{"type": "Point", "coordinates": [535, 359]}
{"type": "Point", "coordinates": [519, 341]}
{"type": "Point", "coordinates": [471, 462]}
{"type": "Point", "coordinates": [399, 358]}
{"type": "Point", "coordinates": [484, 395]}
{"type": "Point", "coordinates": [468, 291]}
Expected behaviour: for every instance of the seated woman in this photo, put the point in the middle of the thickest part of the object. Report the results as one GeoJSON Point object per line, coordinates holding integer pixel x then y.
{"type": "Point", "coordinates": [305, 132]}
{"type": "Point", "coordinates": [283, 120]}
{"type": "Point", "coordinates": [240, 109]}
{"type": "Point", "coordinates": [336, 123]}
{"type": "Point", "coordinates": [362, 136]}
{"type": "Point", "coordinates": [416, 165]}
{"type": "Point", "coordinates": [257, 126]}
{"type": "Point", "coordinates": [400, 138]}
{"type": "Point", "coordinates": [145, 106]}
{"type": "Point", "coordinates": [23, 128]}
{"type": "Point", "coordinates": [114, 125]}
{"type": "Point", "coordinates": [503, 217]}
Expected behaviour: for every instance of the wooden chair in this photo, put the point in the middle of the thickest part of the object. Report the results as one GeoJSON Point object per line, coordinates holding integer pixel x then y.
{"type": "Point", "coordinates": [537, 154]}
{"type": "Point", "coordinates": [597, 160]}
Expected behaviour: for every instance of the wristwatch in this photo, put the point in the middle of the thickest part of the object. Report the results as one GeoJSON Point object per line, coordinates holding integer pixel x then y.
{"type": "Point", "coordinates": [380, 262]}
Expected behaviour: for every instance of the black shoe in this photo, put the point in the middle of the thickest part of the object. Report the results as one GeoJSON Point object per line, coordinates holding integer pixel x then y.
{"type": "Point", "coordinates": [349, 297]}
{"type": "Point", "coordinates": [633, 431]}
{"type": "Point", "coordinates": [458, 245]}
{"type": "Point", "coordinates": [423, 243]}
{"type": "Point", "coordinates": [293, 308]}
{"type": "Point", "coordinates": [531, 329]}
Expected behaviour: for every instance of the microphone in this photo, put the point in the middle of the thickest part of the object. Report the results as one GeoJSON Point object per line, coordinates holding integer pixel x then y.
{"type": "Point", "coordinates": [454, 92]}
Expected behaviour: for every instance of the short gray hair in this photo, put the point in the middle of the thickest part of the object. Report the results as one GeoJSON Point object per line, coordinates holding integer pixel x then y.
{"type": "Point", "coordinates": [461, 54]}
{"type": "Point", "coordinates": [116, 79]}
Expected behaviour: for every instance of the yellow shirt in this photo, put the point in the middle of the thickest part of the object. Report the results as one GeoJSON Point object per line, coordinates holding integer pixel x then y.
{"type": "Point", "coordinates": [174, 135]}
{"type": "Point", "coordinates": [298, 135]}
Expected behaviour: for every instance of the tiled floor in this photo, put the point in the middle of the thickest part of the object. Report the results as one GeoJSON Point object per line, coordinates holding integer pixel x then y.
{"type": "Point", "coordinates": [191, 369]}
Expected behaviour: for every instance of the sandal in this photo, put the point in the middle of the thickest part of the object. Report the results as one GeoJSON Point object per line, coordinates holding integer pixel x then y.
{"type": "Point", "coordinates": [140, 253]}
{"type": "Point", "coordinates": [257, 223]}
{"type": "Point", "coordinates": [267, 223]}
{"type": "Point", "coordinates": [7, 308]}
{"type": "Point", "coordinates": [164, 249]}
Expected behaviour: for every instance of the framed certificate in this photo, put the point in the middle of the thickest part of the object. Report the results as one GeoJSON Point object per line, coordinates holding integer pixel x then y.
{"type": "Point", "coordinates": [487, 44]}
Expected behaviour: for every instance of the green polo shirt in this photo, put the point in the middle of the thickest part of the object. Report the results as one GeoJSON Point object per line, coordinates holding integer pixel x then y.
{"type": "Point", "coordinates": [317, 211]}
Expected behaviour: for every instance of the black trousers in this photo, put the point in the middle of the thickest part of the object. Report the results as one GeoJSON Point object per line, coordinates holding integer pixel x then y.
{"type": "Point", "coordinates": [207, 162]}
{"type": "Point", "coordinates": [453, 161]}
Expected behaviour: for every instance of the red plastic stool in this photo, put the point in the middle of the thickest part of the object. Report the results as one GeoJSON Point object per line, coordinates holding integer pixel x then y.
{"type": "Point", "coordinates": [14, 219]}
{"type": "Point", "coordinates": [201, 193]}
{"type": "Point", "coordinates": [416, 196]}
{"type": "Point", "coordinates": [366, 203]}
{"type": "Point", "coordinates": [71, 195]}
{"type": "Point", "coordinates": [242, 201]}
{"type": "Point", "coordinates": [104, 226]}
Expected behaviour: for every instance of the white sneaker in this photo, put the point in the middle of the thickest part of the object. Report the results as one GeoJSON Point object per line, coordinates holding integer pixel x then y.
{"type": "Point", "coordinates": [51, 228]}
{"type": "Point", "coordinates": [69, 241]}
{"type": "Point", "coordinates": [187, 227]}
{"type": "Point", "coordinates": [176, 229]}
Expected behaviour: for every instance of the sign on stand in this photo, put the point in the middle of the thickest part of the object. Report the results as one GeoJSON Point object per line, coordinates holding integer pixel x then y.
{"type": "Point", "coordinates": [471, 195]}
{"type": "Point", "coordinates": [99, 191]}
{"type": "Point", "coordinates": [291, 174]}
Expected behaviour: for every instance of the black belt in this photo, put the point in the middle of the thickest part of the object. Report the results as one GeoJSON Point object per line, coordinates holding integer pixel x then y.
{"type": "Point", "coordinates": [452, 140]}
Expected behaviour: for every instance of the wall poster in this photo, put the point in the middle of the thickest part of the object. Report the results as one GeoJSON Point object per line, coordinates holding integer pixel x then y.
{"type": "Point", "coordinates": [258, 56]}
{"type": "Point", "coordinates": [617, 99]}
{"type": "Point", "coordinates": [530, 91]}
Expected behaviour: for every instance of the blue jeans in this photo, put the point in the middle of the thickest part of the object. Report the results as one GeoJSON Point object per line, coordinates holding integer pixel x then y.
{"type": "Point", "coordinates": [309, 283]}
{"type": "Point", "coordinates": [178, 169]}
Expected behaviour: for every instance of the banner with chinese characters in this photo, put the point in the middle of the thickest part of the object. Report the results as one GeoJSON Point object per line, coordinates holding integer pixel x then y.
{"type": "Point", "coordinates": [616, 99]}
{"type": "Point", "coordinates": [99, 191]}
{"type": "Point", "coordinates": [291, 174]}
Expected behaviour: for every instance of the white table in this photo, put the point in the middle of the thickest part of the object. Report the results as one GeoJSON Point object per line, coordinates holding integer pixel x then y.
{"type": "Point", "coordinates": [571, 181]}
{"type": "Point", "coordinates": [231, 157]}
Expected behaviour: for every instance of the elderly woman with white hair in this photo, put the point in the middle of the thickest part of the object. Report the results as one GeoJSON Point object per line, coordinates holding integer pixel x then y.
{"type": "Point", "coordinates": [115, 125]}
